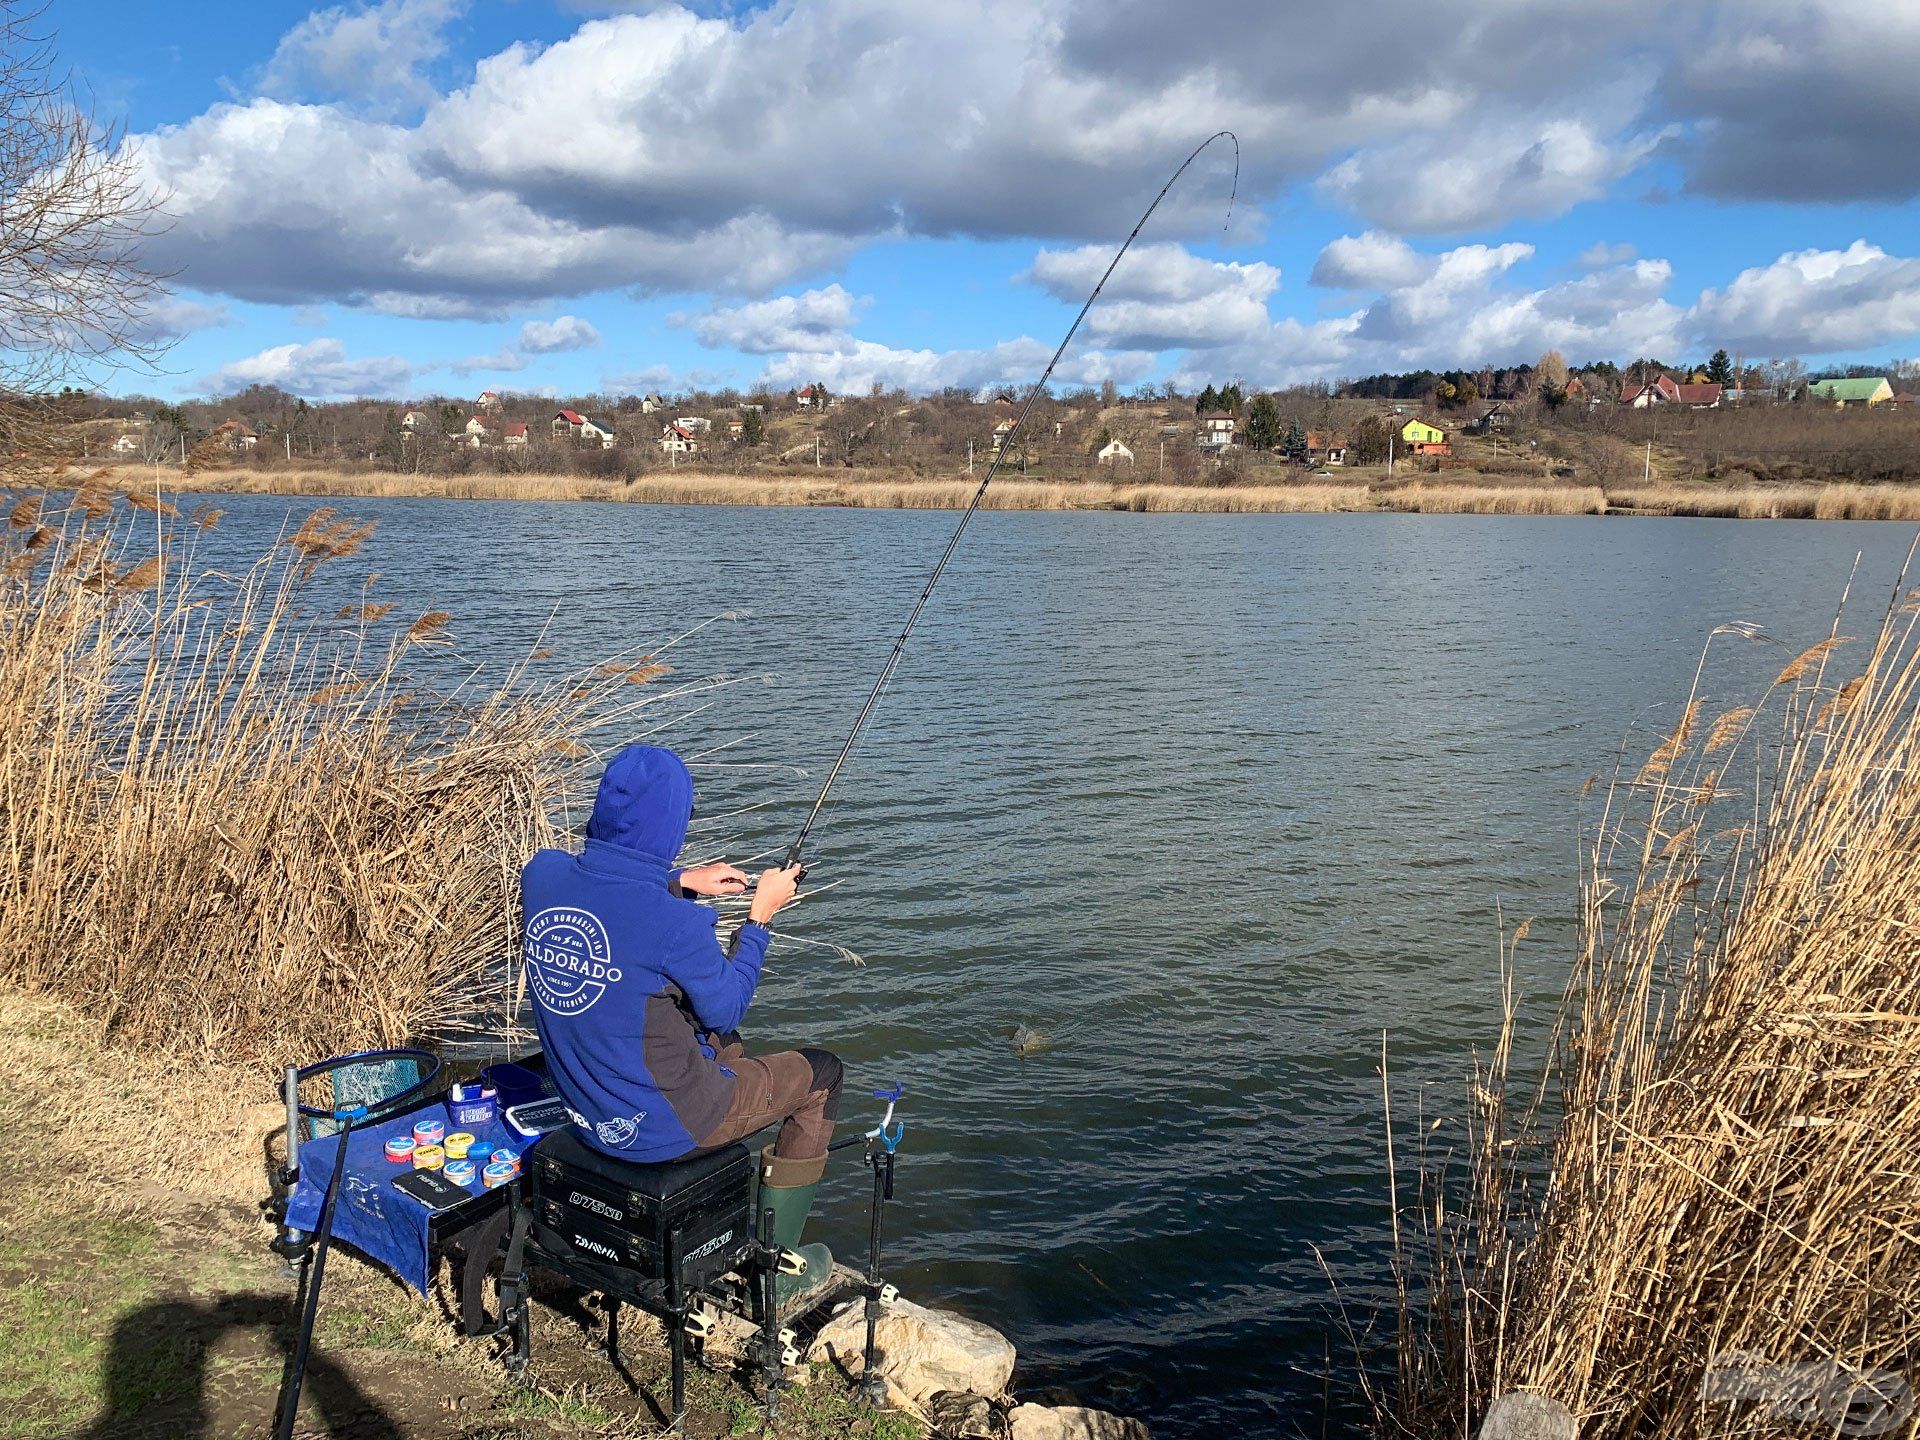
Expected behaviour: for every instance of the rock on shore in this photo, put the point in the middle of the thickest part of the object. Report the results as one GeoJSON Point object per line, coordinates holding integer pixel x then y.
{"type": "Point", "coordinates": [953, 1373]}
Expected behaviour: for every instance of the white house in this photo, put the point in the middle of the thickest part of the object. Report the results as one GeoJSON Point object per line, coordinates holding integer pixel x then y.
{"type": "Point", "coordinates": [805, 398]}
{"type": "Point", "coordinates": [1216, 430]}
{"type": "Point", "coordinates": [1001, 432]}
{"type": "Point", "coordinates": [516, 434]}
{"type": "Point", "coordinates": [476, 434]}
{"type": "Point", "coordinates": [488, 402]}
{"type": "Point", "coordinates": [1114, 452]}
{"type": "Point", "coordinates": [591, 430]}
{"type": "Point", "coordinates": [567, 423]}
{"type": "Point", "coordinates": [677, 440]}
{"type": "Point", "coordinates": [413, 420]}
{"type": "Point", "coordinates": [698, 424]}
{"type": "Point", "coordinates": [127, 445]}
{"type": "Point", "coordinates": [651, 403]}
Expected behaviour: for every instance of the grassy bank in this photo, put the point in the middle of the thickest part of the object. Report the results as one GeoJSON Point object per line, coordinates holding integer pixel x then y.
{"type": "Point", "coordinates": [1704, 1223]}
{"type": "Point", "coordinates": [1452, 492]}
{"type": "Point", "coordinates": [132, 1309]}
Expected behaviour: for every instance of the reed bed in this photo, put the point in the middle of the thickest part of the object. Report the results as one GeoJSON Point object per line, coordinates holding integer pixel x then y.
{"type": "Point", "coordinates": [1706, 1222]}
{"type": "Point", "coordinates": [1775, 502]}
{"type": "Point", "coordinates": [1495, 499]}
{"type": "Point", "coordinates": [879, 490]}
{"type": "Point", "coordinates": [236, 824]}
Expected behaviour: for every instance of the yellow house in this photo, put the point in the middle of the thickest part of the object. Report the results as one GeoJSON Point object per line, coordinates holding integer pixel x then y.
{"type": "Point", "coordinates": [1868, 390]}
{"type": "Point", "coordinates": [1420, 438]}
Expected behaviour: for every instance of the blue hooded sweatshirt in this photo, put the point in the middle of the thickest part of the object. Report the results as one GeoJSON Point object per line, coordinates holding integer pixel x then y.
{"type": "Point", "coordinates": [627, 975]}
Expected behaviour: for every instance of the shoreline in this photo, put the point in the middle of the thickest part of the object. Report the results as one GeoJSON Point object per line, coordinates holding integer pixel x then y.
{"type": "Point", "coordinates": [1472, 494]}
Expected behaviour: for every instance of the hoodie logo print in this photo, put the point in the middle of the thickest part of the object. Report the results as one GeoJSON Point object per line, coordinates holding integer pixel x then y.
{"type": "Point", "coordinates": [568, 957]}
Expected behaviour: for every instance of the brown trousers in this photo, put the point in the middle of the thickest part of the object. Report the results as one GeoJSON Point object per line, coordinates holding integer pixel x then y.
{"type": "Point", "coordinates": [798, 1089]}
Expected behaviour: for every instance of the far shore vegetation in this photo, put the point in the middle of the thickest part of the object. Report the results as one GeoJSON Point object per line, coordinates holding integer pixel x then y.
{"type": "Point", "coordinates": [1537, 439]}
{"type": "Point", "coordinates": [1450, 493]}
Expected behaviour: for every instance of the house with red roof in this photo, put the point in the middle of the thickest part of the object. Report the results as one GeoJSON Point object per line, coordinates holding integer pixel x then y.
{"type": "Point", "coordinates": [515, 434]}
{"type": "Point", "coordinates": [1661, 390]}
{"type": "Point", "coordinates": [567, 424]}
{"type": "Point", "coordinates": [677, 439]}
{"type": "Point", "coordinates": [1704, 395]}
{"type": "Point", "coordinates": [236, 434]}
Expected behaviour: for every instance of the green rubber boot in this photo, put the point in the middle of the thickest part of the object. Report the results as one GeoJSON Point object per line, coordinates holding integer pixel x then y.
{"type": "Point", "coordinates": [786, 1188]}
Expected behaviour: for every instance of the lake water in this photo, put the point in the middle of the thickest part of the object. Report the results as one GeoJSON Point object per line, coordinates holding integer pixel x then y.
{"type": "Point", "coordinates": [1212, 801]}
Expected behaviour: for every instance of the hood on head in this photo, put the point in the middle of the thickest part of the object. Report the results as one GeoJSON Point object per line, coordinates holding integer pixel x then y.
{"type": "Point", "coordinates": [645, 802]}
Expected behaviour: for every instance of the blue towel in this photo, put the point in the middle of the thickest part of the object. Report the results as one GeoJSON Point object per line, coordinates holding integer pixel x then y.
{"type": "Point", "coordinates": [382, 1223]}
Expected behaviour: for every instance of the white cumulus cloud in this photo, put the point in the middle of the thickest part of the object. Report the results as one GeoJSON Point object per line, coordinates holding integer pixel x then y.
{"type": "Point", "coordinates": [562, 333]}
{"type": "Point", "coordinates": [813, 322]}
{"type": "Point", "coordinates": [320, 368]}
{"type": "Point", "coordinates": [361, 51]}
{"type": "Point", "coordinates": [1506, 166]}
{"type": "Point", "coordinates": [1161, 296]}
{"type": "Point", "coordinates": [1815, 300]}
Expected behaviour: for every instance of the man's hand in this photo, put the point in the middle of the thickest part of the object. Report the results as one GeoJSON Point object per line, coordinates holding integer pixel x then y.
{"type": "Point", "coordinates": [716, 879]}
{"type": "Point", "coordinates": [773, 892]}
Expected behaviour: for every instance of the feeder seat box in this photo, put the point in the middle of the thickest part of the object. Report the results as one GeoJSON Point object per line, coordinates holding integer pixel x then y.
{"type": "Point", "coordinates": [599, 1212]}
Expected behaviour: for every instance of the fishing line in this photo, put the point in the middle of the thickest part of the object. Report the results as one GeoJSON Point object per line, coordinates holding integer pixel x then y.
{"type": "Point", "coordinates": [913, 616]}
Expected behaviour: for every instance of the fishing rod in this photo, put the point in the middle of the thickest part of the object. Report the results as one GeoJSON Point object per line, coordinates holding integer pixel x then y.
{"type": "Point", "coordinates": [900, 641]}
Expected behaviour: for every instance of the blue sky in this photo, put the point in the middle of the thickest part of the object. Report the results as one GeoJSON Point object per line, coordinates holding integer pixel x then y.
{"type": "Point", "coordinates": [421, 196]}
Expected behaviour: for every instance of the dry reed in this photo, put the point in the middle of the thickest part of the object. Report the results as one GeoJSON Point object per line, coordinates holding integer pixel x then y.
{"type": "Point", "coordinates": [1774, 502]}
{"type": "Point", "coordinates": [1706, 1222]}
{"type": "Point", "coordinates": [1496, 499]}
{"type": "Point", "coordinates": [237, 826]}
{"type": "Point", "coordinates": [1453, 495]}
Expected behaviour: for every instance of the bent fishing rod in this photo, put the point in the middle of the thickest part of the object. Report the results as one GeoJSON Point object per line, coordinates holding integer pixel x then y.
{"type": "Point", "coordinates": [953, 543]}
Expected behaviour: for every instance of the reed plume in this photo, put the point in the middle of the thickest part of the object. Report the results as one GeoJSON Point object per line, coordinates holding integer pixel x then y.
{"type": "Point", "coordinates": [1703, 1221]}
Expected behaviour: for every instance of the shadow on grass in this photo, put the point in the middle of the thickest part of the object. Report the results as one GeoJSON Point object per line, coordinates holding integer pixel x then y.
{"type": "Point", "coordinates": [162, 1376]}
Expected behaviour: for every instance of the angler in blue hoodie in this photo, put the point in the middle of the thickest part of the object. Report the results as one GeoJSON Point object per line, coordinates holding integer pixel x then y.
{"type": "Point", "coordinates": [639, 1007]}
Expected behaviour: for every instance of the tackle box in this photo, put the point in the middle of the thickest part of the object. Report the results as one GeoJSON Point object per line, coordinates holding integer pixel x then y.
{"type": "Point", "coordinates": [614, 1212]}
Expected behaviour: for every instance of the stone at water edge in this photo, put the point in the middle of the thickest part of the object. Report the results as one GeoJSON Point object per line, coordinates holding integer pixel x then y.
{"type": "Point", "coordinates": [922, 1351]}
{"type": "Point", "coordinates": [1520, 1416]}
{"type": "Point", "coordinates": [1072, 1422]}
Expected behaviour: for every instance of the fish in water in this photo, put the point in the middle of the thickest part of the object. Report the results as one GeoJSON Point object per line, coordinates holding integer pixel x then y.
{"type": "Point", "coordinates": [1028, 1041]}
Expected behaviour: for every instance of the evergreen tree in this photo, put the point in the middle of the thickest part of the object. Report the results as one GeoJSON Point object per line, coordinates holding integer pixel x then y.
{"type": "Point", "coordinates": [1263, 423]}
{"type": "Point", "coordinates": [752, 428]}
{"type": "Point", "coordinates": [1293, 444]}
{"type": "Point", "coordinates": [1209, 400]}
{"type": "Point", "coordinates": [1720, 368]}
{"type": "Point", "coordinates": [1231, 398]}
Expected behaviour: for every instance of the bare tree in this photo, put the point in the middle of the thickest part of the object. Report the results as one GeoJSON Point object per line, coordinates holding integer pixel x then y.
{"type": "Point", "coordinates": [74, 218]}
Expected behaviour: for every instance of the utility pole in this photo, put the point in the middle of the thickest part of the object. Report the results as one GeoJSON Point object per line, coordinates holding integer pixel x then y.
{"type": "Point", "coordinates": [1160, 470]}
{"type": "Point", "coordinates": [969, 459]}
{"type": "Point", "coordinates": [1390, 437]}
{"type": "Point", "coordinates": [816, 452]}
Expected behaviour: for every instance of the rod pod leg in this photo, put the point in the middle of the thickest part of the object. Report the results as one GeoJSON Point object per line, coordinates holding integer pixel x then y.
{"type": "Point", "coordinates": [873, 1385]}
{"type": "Point", "coordinates": [770, 1347]}
{"type": "Point", "coordinates": [310, 1309]}
{"type": "Point", "coordinates": [676, 1333]}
